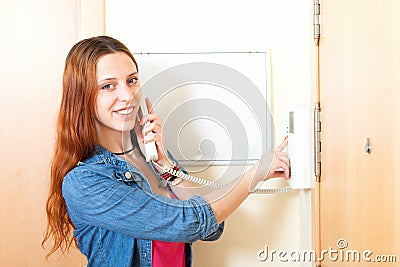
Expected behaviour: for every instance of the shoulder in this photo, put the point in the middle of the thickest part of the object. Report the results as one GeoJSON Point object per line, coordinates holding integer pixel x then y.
{"type": "Point", "coordinates": [93, 176]}
{"type": "Point", "coordinates": [97, 164]}
{"type": "Point", "coordinates": [86, 174]}
{"type": "Point", "coordinates": [78, 179]}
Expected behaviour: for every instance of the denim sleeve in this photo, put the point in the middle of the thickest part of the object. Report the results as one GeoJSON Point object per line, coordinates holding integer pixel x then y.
{"type": "Point", "coordinates": [217, 234]}
{"type": "Point", "coordinates": [97, 200]}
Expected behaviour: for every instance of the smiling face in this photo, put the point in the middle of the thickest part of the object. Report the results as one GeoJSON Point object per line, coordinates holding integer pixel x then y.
{"type": "Point", "coordinates": [118, 94]}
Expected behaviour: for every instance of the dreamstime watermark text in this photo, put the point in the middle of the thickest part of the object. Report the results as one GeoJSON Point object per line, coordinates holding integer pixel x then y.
{"type": "Point", "coordinates": [341, 253]}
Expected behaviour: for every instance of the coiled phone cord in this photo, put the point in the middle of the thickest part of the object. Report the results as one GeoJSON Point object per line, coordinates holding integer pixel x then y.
{"type": "Point", "coordinates": [204, 182]}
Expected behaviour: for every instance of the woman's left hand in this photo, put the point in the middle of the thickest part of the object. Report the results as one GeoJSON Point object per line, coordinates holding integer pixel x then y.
{"type": "Point", "coordinates": [152, 130]}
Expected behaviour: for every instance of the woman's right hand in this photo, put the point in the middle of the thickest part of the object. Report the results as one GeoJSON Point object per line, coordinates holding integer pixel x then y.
{"type": "Point", "coordinates": [280, 166]}
{"type": "Point", "coordinates": [272, 164]}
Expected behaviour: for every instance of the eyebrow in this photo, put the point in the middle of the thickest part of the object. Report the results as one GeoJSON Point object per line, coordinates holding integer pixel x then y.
{"type": "Point", "coordinates": [110, 79]}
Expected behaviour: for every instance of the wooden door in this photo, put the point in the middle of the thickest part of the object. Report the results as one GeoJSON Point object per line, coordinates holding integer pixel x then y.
{"type": "Point", "coordinates": [35, 40]}
{"type": "Point", "coordinates": [360, 99]}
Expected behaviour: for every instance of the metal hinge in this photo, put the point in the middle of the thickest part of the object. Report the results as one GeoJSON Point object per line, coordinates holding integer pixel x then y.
{"type": "Point", "coordinates": [316, 23]}
{"type": "Point", "coordinates": [317, 142]}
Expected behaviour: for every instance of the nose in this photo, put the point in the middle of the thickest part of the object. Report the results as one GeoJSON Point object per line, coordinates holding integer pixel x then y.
{"type": "Point", "coordinates": [125, 93]}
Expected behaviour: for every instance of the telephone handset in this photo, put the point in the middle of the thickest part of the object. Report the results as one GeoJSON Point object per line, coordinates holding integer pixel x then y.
{"type": "Point", "coordinates": [150, 147]}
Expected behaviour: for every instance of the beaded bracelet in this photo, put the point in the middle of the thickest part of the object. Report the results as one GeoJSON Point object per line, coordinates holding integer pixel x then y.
{"type": "Point", "coordinates": [166, 175]}
{"type": "Point", "coordinates": [169, 177]}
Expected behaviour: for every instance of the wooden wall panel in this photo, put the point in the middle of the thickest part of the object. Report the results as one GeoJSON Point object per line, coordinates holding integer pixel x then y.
{"type": "Point", "coordinates": [35, 39]}
{"type": "Point", "coordinates": [359, 66]}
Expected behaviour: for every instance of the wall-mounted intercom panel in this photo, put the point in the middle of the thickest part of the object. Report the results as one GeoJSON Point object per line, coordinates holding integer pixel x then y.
{"type": "Point", "coordinates": [300, 146]}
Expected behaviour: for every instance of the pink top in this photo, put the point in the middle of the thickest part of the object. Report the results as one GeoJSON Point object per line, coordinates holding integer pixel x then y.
{"type": "Point", "coordinates": [168, 254]}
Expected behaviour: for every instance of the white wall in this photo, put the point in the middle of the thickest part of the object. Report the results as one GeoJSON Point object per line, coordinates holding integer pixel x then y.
{"type": "Point", "coordinates": [283, 28]}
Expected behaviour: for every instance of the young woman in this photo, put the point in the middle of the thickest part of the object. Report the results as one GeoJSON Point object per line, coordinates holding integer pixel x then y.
{"type": "Point", "coordinates": [120, 208]}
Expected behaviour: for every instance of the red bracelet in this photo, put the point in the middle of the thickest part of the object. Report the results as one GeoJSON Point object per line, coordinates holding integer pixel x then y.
{"type": "Point", "coordinates": [168, 176]}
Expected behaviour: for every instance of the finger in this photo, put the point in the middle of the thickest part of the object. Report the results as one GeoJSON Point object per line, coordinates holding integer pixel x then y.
{"type": "Point", "coordinates": [283, 145]}
{"type": "Point", "coordinates": [279, 167]}
{"type": "Point", "coordinates": [151, 119]}
{"type": "Point", "coordinates": [154, 118]}
{"type": "Point", "coordinates": [149, 137]}
{"type": "Point", "coordinates": [286, 172]}
{"type": "Point", "coordinates": [151, 128]}
{"type": "Point", "coordinates": [283, 157]}
{"type": "Point", "coordinates": [285, 175]}
{"type": "Point", "coordinates": [157, 138]}
{"type": "Point", "coordinates": [278, 174]}
{"type": "Point", "coordinates": [144, 120]}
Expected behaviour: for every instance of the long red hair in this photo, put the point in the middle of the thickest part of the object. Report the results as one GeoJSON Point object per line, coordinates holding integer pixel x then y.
{"type": "Point", "coordinates": [76, 136]}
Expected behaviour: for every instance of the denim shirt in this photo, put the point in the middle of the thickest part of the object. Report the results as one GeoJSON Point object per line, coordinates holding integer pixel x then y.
{"type": "Point", "coordinates": [116, 215]}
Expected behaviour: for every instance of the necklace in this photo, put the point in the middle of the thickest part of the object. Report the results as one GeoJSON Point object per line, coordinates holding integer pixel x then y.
{"type": "Point", "coordinates": [124, 152]}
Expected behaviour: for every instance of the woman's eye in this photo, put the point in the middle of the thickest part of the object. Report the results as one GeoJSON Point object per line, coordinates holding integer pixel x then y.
{"type": "Point", "coordinates": [107, 86]}
{"type": "Point", "coordinates": [133, 80]}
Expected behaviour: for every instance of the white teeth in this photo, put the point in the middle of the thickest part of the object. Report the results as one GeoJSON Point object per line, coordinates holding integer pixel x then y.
{"type": "Point", "coordinates": [125, 111]}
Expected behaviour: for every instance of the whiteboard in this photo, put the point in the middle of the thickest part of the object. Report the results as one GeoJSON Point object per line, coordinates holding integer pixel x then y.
{"type": "Point", "coordinates": [213, 105]}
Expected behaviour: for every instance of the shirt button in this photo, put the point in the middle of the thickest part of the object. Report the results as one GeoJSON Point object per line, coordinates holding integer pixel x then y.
{"type": "Point", "coordinates": [128, 175]}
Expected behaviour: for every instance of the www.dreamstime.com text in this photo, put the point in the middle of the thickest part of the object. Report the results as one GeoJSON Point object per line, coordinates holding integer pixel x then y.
{"type": "Point", "coordinates": [341, 254]}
